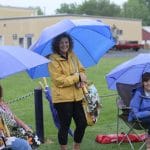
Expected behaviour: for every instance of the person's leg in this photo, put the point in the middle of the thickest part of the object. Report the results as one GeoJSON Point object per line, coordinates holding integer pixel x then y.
{"type": "Point", "coordinates": [76, 146]}
{"type": "Point", "coordinates": [63, 147]}
{"type": "Point", "coordinates": [148, 142]}
{"type": "Point", "coordinates": [146, 124]}
{"type": "Point", "coordinates": [65, 112]}
{"type": "Point", "coordinates": [81, 124]}
{"type": "Point", "coordinates": [18, 144]}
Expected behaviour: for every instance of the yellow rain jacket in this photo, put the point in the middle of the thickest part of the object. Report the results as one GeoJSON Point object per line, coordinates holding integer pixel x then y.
{"type": "Point", "coordinates": [64, 75]}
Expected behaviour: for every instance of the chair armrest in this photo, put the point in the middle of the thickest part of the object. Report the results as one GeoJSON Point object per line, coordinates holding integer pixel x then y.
{"type": "Point", "coordinates": [126, 108]}
{"type": "Point", "coordinates": [121, 105]}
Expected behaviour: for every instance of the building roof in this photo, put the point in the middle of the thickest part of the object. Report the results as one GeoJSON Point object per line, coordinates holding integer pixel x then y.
{"type": "Point", "coordinates": [13, 7]}
{"type": "Point", "coordinates": [146, 28]}
{"type": "Point", "coordinates": [146, 32]}
{"type": "Point", "coordinates": [75, 15]}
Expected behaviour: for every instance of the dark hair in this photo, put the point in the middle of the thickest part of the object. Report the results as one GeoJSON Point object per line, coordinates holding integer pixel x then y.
{"type": "Point", "coordinates": [145, 76]}
{"type": "Point", "coordinates": [56, 40]}
{"type": "Point", "coordinates": [1, 91]}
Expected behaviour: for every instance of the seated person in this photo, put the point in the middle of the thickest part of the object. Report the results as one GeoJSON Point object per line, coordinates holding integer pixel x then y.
{"type": "Point", "coordinates": [140, 104]}
{"type": "Point", "coordinates": [12, 121]}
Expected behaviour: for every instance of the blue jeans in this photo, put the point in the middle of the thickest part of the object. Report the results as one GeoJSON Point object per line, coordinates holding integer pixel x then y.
{"type": "Point", "coordinates": [20, 144]}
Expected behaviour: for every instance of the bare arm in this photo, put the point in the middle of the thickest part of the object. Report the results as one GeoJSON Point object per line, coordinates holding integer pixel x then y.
{"type": "Point", "coordinates": [22, 124]}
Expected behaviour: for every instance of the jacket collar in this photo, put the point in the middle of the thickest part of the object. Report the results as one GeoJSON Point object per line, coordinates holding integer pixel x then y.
{"type": "Point", "coordinates": [141, 90]}
{"type": "Point", "coordinates": [66, 58]}
{"type": "Point", "coordinates": [60, 57]}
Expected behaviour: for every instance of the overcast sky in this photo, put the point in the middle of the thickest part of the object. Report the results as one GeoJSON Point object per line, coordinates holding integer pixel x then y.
{"type": "Point", "coordinates": [49, 6]}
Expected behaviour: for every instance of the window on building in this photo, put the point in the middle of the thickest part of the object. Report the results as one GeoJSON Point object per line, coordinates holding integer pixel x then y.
{"type": "Point", "coordinates": [1, 40]}
{"type": "Point", "coordinates": [119, 32]}
{"type": "Point", "coordinates": [28, 40]}
{"type": "Point", "coordinates": [14, 36]}
{"type": "Point", "coordinates": [21, 42]}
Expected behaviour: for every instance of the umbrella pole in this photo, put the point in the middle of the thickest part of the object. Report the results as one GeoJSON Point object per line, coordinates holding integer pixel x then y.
{"type": "Point", "coordinates": [39, 113]}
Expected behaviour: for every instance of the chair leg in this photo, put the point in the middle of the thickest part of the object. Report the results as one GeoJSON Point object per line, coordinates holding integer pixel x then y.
{"type": "Point", "coordinates": [142, 146]}
{"type": "Point", "coordinates": [125, 136]}
{"type": "Point", "coordinates": [117, 125]}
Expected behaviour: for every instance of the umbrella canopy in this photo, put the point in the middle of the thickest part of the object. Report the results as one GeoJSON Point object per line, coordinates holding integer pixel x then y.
{"type": "Point", "coordinates": [129, 72]}
{"type": "Point", "coordinates": [92, 39]}
{"type": "Point", "coordinates": [14, 59]}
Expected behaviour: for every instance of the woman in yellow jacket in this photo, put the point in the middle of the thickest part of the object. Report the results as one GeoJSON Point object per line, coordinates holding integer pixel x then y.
{"type": "Point", "coordinates": [68, 77]}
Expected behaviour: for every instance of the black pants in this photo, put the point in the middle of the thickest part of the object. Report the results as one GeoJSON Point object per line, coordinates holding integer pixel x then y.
{"type": "Point", "coordinates": [67, 111]}
{"type": "Point", "coordinates": [146, 123]}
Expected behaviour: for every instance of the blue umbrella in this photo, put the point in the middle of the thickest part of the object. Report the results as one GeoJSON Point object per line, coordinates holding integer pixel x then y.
{"type": "Point", "coordinates": [92, 39]}
{"type": "Point", "coordinates": [14, 59]}
{"type": "Point", "coordinates": [129, 72]}
{"type": "Point", "coordinates": [53, 110]}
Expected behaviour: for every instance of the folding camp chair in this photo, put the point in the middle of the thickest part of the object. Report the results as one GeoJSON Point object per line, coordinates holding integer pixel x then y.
{"type": "Point", "coordinates": [4, 131]}
{"type": "Point", "coordinates": [123, 109]}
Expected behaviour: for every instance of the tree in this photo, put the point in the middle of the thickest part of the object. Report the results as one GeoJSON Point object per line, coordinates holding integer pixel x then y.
{"type": "Point", "coordinates": [91, 7]}
{"type": "Point", "coordinates": [69, 9]}
{"type": "Point", "coordinates": [100, 7]}
{"type": "Point", "coordinates": [39, 11]}
{"type": "Point", "coordinates": [147, 4]}
{"type": "Point", "coordinates": [137, 9]}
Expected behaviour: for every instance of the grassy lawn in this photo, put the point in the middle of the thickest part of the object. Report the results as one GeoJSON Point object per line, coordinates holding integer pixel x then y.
{"type": "Point", "coordinates": [20, 84]}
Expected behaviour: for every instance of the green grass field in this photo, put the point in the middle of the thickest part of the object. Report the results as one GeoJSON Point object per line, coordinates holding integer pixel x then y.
{"type": "Point", "coordinates": [20, 84]}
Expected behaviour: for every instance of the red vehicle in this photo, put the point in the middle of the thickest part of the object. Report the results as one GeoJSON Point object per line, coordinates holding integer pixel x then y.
{"type": "Point", "coordinates": [129, 45]}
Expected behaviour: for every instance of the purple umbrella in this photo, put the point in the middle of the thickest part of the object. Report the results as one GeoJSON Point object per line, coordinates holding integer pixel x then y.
{"type": "Point", "coordinates": [14, 59]}
{"type": "Point", "coordinates": [129, 72]}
